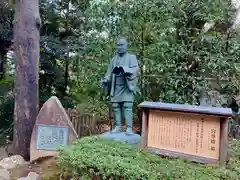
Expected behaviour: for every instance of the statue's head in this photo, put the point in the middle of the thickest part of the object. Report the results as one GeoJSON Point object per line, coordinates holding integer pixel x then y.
{"type": "Point", "coordinates": [122, 46]}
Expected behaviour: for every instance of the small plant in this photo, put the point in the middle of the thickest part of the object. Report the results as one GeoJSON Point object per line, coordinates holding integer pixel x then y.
{"type": "Point", "coordinates": [96, 157]}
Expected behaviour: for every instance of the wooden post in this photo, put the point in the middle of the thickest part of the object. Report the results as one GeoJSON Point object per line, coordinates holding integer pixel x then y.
{"type": "Point", "coordinates": [223, 141]}
{"type": "Point", "coordinates": [26, 45]}
{"type": "Point", "coordinates": [144, 129]}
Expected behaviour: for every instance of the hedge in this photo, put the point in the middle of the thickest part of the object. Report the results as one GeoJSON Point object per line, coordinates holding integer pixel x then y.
{"type": "Point", "coordinates": [96, 157]}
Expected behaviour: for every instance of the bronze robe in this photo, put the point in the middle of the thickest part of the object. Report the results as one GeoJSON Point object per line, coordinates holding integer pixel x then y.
{"type": "Point", "coordinates": [122, 87]}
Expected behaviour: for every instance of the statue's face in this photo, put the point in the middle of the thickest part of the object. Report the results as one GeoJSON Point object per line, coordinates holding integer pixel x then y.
{"type": "Point", "coordinates": [122, 46]}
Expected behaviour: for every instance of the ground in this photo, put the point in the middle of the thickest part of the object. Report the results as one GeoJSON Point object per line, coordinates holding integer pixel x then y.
{"type": "Point", "coordinates": [46, 168]}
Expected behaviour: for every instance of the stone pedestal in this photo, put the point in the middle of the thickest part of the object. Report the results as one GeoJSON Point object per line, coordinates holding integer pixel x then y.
{"type": "Point", "coordinates": [133, 139]}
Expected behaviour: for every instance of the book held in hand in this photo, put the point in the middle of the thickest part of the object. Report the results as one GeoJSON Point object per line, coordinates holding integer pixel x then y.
{"type": "Point", "coordinates": [117, 70]}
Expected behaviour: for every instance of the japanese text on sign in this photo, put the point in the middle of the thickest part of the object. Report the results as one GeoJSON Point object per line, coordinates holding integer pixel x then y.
{"type": "Point", "coordinates": [49, 137]}
{"type": "Point", "coordinates": [213, 139]}
{"type": "Point", "coordinates": [184, 133]}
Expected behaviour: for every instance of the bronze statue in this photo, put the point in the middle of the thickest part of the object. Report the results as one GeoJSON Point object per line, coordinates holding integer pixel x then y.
{"type": "Point", "coordinates": [121, 83]}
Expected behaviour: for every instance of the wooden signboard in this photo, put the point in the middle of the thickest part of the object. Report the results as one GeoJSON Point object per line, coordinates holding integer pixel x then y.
{"type": "Point", "coordinates": [193, 132]}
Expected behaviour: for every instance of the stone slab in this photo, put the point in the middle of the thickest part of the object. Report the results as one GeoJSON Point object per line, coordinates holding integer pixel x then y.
{"type": "Point", "coordinates": [133, 139]}
{"type": "Point", "coordinates": [187, 108]}
{"type": "Point", "coordinates": [51, 115]}
{"type": "Point", "coordinates": [31, 176]}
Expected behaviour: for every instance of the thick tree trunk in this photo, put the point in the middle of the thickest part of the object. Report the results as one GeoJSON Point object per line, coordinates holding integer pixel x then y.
{"type": "Point", "coordinates": [26, 45]}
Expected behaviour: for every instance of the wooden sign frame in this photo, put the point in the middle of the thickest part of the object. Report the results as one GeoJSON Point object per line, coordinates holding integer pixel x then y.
{"type": "Point", "coordinates": [219, 115]}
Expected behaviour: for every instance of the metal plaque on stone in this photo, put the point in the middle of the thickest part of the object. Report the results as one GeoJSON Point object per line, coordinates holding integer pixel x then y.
{"type": "Point", "coordinates": [50, 137]}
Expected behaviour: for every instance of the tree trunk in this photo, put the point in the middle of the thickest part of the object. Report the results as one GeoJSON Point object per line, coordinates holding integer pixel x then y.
{"type": "Point", "coordinates": [26, 45]}
{"type": "Point", "coordinates": [66, 76]}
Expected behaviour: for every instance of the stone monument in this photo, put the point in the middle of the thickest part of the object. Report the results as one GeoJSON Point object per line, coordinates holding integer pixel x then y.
{"type": "Point", "coordinates": [120, 82]}
{"type": "Point", "coordinates": [52, 129]}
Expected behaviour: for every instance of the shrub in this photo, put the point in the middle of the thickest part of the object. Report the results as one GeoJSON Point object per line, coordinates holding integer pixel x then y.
{"type": "Point", "coordinates": [93, 156]}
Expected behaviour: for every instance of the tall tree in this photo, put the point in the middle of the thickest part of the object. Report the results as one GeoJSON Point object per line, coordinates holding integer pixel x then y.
{"type": "Point", "coordinates": [26, 44]}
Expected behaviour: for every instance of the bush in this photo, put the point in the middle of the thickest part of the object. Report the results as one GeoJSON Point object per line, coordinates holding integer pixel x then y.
{"type": "Point", "coordinates": [92, 156]}
{"type": "Point", "coordinates": [6, 115]}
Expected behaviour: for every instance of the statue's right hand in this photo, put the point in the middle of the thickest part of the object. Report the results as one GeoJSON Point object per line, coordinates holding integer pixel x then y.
{"type": "Point", "coordinates": [103, 83]}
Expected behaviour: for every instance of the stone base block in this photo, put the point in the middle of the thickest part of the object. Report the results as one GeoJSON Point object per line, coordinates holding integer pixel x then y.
{"type": "Point", "coordinates": [133, 139]}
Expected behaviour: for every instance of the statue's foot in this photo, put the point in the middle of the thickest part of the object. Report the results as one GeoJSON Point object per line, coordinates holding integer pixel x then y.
{"type": "Point", "coordinates": [129, 131]}
{"type": "Point", "coordinates": [116, 130]}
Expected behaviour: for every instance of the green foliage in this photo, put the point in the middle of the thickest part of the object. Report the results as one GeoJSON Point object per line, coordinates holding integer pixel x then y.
{"type": "Point", "coordinates": [88, 71]}
{"type": "Point", "coordinates": [234, 162]}
{"type": "Point", "coordinates": [175, 53]}
{"type": "Point", "coordinates": [59, 38]}
{"type": "Point", "coordinates": [91, 155]}
{"type": "Point", "coordinates": [6, 26]}
{"type": "Point", "coordinates": [175, 49]}
{"type": "Point", "coordinates": [6, 115]}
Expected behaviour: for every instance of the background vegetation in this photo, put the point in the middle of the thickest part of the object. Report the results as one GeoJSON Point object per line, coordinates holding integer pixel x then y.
{"type": "Point", "coordinates": [185, 49]}
{"type": "Point", "coordinates": [177, 52]}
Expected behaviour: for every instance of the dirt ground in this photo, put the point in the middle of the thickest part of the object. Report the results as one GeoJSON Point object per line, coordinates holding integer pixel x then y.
{"type": "Point", "coordinates": [47, 168]}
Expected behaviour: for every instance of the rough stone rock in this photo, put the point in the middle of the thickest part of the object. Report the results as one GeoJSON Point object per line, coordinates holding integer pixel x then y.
{"type": "Point", "coordinates": [12, 162]}
{"type": "Point", "coordinates": [4, 174]}
{"type": "Point", "coordinates": [238, 99]}
{"type": "Point", "coordinates": [212, 99]}
{"type": "Point", "coordinates": [51, 113]}
{"type": "Point", "coordinates": [31, 176]}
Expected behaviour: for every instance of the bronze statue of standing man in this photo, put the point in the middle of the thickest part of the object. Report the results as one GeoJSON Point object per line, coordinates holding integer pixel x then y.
{"type": "Point", "coordinates": [121, 84]}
